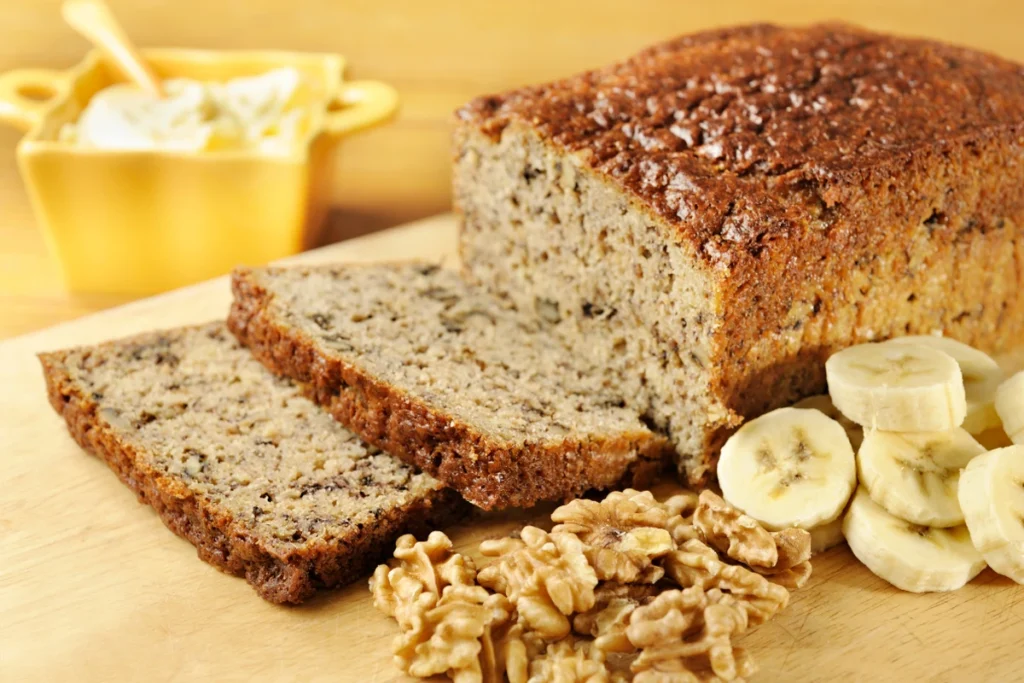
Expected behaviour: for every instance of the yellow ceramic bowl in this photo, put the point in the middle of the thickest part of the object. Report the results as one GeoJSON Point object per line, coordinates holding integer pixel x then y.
{"type": "Point", "coordinates": [144, 222]}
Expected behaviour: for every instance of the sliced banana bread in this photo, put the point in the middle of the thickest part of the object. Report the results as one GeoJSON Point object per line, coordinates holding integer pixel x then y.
{"type": "Point", "coordinates": [716, 215]}
{"type": "Point", "coordinates": [453, 380]}
{"type": "Point", "coordinates": [261, 480]}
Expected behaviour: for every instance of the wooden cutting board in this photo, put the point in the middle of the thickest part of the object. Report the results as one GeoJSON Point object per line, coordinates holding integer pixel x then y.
{"type": "Point", "coordinates": [94, 588]}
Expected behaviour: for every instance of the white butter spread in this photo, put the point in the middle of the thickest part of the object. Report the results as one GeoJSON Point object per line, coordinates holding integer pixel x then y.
{"type": "Point", "coordinates": [252, 113]}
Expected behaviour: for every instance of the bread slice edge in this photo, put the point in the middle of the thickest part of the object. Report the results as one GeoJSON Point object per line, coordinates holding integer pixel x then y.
{"type": "Point", "coordinates": [489, 473]}
{"type": "Point", "coordinates": [219, 540]}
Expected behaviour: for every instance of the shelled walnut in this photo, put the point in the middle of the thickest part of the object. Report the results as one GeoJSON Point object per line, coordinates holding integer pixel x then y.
{"type": "Point", "coordinates": [727, 530]}
{"type": "Point", "coordinates": [468, 634]}
{"type": "Point", "coordinates": [693, 564]}
{"type": "Point", "coordinates": [683, 504]}
{"type": "Point", "coordinates": [743, 539]}
{"type": "Point", "coordinates": [608, 625]}
{"type": "Point", "coordinates": [696, 565]}
{"type": "Point", "coordinates": [417, 575]}
{"type": "Point", "coordinates": [546, 576]}
{"type": "Point", "coordinates": [606, 622]}
{"type": "Point", "coordinates": [794, 547]}
{"type": "Point", "coordinates": [590, 601]}
{"type": "Point", "coordinates": [686, 635]}
{"type": "Point", "coordinates": [572, 661]}
{"type": "Point", "coordinates": [791, 579]}
{"type": "Point", "coordinates": [621, 534]}
{"type": "Point", "coordinates": [680, 522]}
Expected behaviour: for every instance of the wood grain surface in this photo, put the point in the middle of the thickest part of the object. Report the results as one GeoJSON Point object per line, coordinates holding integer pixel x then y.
{"type": "Point", "coordinates": [94, 588]}
{"type": "Point", "coordinates": [438, 54]}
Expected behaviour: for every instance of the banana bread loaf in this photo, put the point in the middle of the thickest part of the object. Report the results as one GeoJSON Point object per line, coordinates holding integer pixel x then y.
{"type": "Point", "coordinates": [451, 379]}
{"type": "Point", "coordinates": [716, 215]}
{"type": "Point", "coordinates": [263, 482]}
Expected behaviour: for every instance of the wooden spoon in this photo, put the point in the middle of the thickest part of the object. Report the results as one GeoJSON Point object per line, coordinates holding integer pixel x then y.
{"type": "Point", "coordinates": [93, 19]}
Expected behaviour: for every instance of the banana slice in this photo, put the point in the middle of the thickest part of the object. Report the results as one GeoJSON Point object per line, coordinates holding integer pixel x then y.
{"type": "Point", "coordinates": [915, 558]}
{"type": "Point", "coordinates": [914, 476]}
{"type": "Point", "coordinates": [981, 374]}
{"type": "Point", "coordinates": [823, 403]}
{"type": "Point", "coordinates": [897, 387]}
{"type": "Point", "coordinates": [992, 498]}
{"type": "Point", "coordinates": [827, 535]}
{"type": "Point", "coordinates": [1010, 406]}
{"type": "Point", "coordinates": [790, 467]}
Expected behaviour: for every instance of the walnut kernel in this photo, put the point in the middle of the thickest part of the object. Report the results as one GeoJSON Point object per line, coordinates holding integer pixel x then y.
{"type": "Point", "coordinates": [740, 536]}
{"type": "Point", "coordinates": [687, 635]}
{"type": "Point", "coordinates": [606, 622]}
{"type": "Point", "coordinates": [794, 546]}
{"type": "Point", "coordinates": [790, 579]}
{"type": "Point", "coordinates": [468, 634]}
{"type": "Point", "coordinates": [622, 534]}
{"type": "Point", "coordinates": [680, 522]}
{"type": "Point", "coordinates": [743, 539]}
{"type": "Point", "coordinates": [546, 576]}
{"type": "Point", "coordinates": [417, 575]}
{"type": "Point", "coordinates": [585, 602]}
{"type": "Point", "coordinates": [572, 661]}
{"type": "Point", "coordinates": [696, 565]}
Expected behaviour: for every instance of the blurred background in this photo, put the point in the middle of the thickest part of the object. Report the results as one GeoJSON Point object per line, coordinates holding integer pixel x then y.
{"type": "Point", "coordinates": [437, 53]}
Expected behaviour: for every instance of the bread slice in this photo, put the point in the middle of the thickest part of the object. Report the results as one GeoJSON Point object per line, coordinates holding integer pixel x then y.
{"type": "Point", "coordinates": [452, 380]}
{"type": "Point", "coordinates": [714, 216]}
{"type": "Point", "coordinates": [263, 482]}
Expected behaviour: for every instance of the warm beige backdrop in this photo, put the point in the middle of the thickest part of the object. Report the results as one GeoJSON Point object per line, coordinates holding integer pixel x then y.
{"type": "Point", "coordinates": [438, 53]}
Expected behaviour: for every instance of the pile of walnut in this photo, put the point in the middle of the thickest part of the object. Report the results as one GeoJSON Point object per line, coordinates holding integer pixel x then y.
{"type": "Point", "coordinates": [628, 588]}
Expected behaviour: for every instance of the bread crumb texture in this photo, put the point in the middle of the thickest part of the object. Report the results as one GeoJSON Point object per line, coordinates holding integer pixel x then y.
{"type": "Point", "coordinates": [236, 459]}
{"type": "Point", "coordinates": [466, 385]}
{"type": "Point", "coordinates": [716, 215]}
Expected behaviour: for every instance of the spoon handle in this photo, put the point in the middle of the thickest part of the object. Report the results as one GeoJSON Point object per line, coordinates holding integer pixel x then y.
{"type": "Point", "coordinates": [93, 19]}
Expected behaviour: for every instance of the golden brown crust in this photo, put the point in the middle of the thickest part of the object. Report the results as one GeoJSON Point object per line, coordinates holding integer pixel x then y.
{"type": "Point", "coordinates": [938, 248]}
{"type": "Point", "coordinates": [218, 538]}
{"type": "Point", "coordinates": [837, 185]}
{"type": "Point", "coordinates": [487, 473]}
{"type": "Point", "coordinates": [723, 133]}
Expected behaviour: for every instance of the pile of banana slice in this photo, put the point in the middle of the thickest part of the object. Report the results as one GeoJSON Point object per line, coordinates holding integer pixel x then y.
{"type": "Point", "coordinates": [941, 486]}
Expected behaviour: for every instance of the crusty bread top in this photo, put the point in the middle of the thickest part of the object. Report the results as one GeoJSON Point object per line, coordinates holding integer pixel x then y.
{"type": "Point", "coordinates": [197, 409]}
{"type": "Point", "coordinates": [739, 136]}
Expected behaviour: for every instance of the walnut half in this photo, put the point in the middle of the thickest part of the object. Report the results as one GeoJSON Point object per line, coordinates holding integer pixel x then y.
{"type": "Point", "coordinates": [784, 555]}
{"type": "Point", "coordinates": [621, 534]}
{"type": "Point", "coordinates": [743, 539]}
{"type": "Point", "coordinates": [468, 635]}
{"type": "Point", "coordinates": [686, 635]}
{"type": "Point", "coordinates": [546, 576]}
{"type": "Point", "coordinates": [697, 565]}
{"type": "Point", "coordinates": [572, 661]}
{"type": "Point", "coordinates": [606, 622]}
{"type": "Point", "coordinates": [417, 575]}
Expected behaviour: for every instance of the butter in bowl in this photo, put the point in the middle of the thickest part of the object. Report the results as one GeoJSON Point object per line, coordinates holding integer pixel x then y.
{"type": "Point", "coordinates": [257, 113]}
{"type": "Point", "coordinates": [232, 165]}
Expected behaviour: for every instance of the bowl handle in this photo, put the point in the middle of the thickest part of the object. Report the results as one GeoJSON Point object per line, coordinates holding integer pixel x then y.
{"type": "Point", "coordinates": [25, 95]}
{"type": "Point", "coordinates": [359, 105]}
